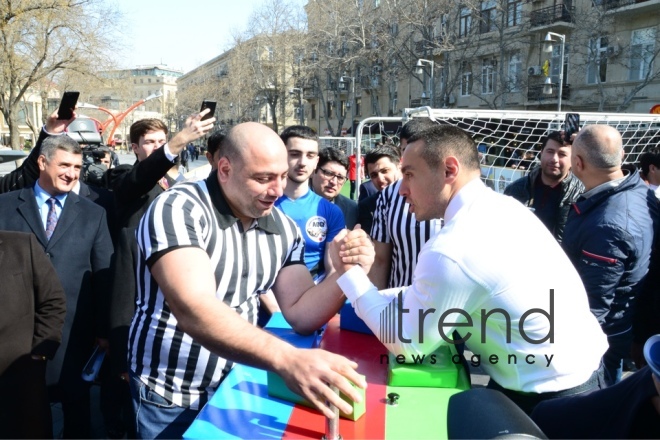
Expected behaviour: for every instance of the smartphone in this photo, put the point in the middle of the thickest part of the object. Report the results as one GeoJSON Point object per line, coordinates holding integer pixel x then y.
{"type": "Point", "coordinates": [67, 104]}
{"type": "Point", "coordinates": [571, 125]}
{"type": "Point", "coordinates": [210, 105]}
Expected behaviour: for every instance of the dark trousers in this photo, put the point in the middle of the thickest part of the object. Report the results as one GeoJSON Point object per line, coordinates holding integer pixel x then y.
{"type": "Point", "coordinates": [353, 187]}
{"type": "Point", "coordinates": [619, 348]}
{"type": "Point", "coordinates": [528, 401]}
{"type": "Point", "coordinates": [24, 408]}
{"type": "Point", "coordinates": [75, 410]}
{"type": "Point", "coordinates": [117, 406]}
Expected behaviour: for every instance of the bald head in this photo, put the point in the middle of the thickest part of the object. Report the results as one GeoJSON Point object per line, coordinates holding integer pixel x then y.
{"type": "Point", "coordinates": [252, 170]}
{"type": "Point", "coordinates": [600, 146]}
{"type": "Point", "coordinates": [250, 139]}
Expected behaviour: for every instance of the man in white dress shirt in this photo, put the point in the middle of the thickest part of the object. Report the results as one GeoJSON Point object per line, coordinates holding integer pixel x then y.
{"type": "Point", "coordinates": [518, 304]}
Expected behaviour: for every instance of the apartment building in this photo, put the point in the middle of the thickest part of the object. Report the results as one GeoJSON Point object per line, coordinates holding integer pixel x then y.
{"type": "Point", "coordinates": [253, 81]}
{"type": "Point", "coordinates": [154, 87]}
{"type": "Point", "coordinates": [489, 54]}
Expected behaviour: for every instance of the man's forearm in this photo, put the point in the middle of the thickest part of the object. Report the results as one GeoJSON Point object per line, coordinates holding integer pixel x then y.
{"type": "Point", "coordinates": [222, 331]}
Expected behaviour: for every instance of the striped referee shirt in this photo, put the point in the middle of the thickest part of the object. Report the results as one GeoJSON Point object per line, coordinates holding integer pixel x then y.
{"type": "Point", "coordinates": [246, 264]}
{"type": "Point", "coordinates": [395, 224]}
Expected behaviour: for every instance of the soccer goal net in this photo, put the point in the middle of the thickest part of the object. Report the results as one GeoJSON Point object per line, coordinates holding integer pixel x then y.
{"type": "Point", "coordinates": [509, 141]}
{"type": "Point", "coordinates": [345, 144]}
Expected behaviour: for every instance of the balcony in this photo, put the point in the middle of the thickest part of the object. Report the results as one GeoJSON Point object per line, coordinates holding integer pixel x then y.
{"type": "Point", "coordinates": [428, 45]}
{"type": "Point", "coordinates": [631, 6]}
{"type": "Point", "coordinates": [535, 92]}
{"type": "Point", "coordinates": [552, 14]}
{"type": "Point", "coordinates": [309, 93]}
{"type": "Point", "coordinates": [423, 102]}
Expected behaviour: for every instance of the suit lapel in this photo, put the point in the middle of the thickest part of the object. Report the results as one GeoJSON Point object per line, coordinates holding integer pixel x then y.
{"type": "Point", "coordinates": [69, 214]}
{"type": "Point", "coordinates": [29, 210]}
{"type": "Point", "coordinates": [84, 190]}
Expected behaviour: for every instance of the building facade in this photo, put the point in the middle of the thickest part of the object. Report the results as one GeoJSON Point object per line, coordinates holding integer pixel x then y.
{"type": "Point", "coordinates": [154, 87]}
{"type": "Point", "coordinates": [489, 54]}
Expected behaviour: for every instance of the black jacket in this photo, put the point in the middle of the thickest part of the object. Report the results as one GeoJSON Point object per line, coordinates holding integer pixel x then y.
{"type": "Point", "coordinates": [136, 186]}
{"type": "Point", "coordinates": [28, 173]}
{"type": "Point", "coordinates": [571, 188]}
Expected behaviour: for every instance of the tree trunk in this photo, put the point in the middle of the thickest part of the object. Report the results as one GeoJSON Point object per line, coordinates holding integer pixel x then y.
{"type": "Point", "coordinates": [14, 132]}
{"type": "Point", "coordinates": [273, 113]}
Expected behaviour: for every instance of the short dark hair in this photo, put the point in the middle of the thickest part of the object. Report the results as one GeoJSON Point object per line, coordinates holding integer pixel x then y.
{"type": "Point", "coordinates": [331, 154]}
{"type": "Point", "coordinates": [299, 131]}
{"type": "Point", "coordinates": [141, 127]}
{"type": "Point", "coordinates": [376, 154]}
{"type": "Point", "coordinates": [441, 140]}
{"type": "Point", "coordinates": [650, 157]}
{"type": "Point", "coordinates": [215, 141]}
{"type": "Point", "coordinates": [415, 125]}
{"type": "Point", "coordinates": [556, 136]}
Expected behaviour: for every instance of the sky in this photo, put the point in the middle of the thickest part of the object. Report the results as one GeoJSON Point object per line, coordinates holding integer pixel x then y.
{"type": "Point", "coordinates": [181, 34]}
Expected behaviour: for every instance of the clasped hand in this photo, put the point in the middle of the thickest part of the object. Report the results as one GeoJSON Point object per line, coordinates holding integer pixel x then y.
{"type": "Point", "coordinates": [351, 248]}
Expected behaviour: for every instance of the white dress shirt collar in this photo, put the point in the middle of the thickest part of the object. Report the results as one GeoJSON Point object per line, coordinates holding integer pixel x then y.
{"type": "Point", "coordinates": [464, 196]}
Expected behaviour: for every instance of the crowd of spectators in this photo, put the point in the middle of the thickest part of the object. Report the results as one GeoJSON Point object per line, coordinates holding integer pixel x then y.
{"type": "Point", "coordinates": [133, 248]}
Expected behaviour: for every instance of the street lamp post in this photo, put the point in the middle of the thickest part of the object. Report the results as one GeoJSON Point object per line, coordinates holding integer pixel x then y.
{"type": "Point", "coordinates": [301, 109]}
{"type": "Point", "coordinates": [419, 70]}
{"type": "Point", "coordinates": [547, 89]}
{"type": "Point", "coordinates": [345, 79]}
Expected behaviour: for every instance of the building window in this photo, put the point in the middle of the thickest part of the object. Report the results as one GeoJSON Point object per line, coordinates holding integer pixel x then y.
{"type": "Point", "coordinates": [642, 48]}
{"type": "Point", "coordinates": [313, 111]}
{"type": "Point", "coordinates": [488, 16]}
{"type": "Point", "coordinates": [376, 3]}
{"type": "Point", "coordinates": [342, 109]}
{"type": "Point", "coordinates": [466, 79]}
{"type": "Point", "coordinates": [513, 12]}
{"type": "Point", "coordinates": [515, 72]}
{"type": "Point", "coordinates": [358, 106]}
{"type": "Point", "coordinates": [441, 30]}
{"type": "Point", "coordinates": [375, 105]}
{"type": "Point", "coordinates": [597, 60]}
{"type": "Point", "coordinates": [488, 66]}
{"type": "Point", "coordinates": [465, 23]}
{"type": "Point", "coordinates": [394, 29]}
{"type": "Point", "coordinates": [555, 62]}
{"type": "Point", "coordinates": [328, 110]}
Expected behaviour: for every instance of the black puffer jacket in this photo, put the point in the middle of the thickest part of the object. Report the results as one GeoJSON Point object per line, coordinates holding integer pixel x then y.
{"type": "Point", "coordinates": [571, 188]}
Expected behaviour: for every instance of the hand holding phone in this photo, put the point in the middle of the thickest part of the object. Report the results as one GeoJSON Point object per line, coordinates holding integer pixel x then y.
{"type": "Point", "coordinates": [67, 104]}
{"type": "Point", "coordinates": [571, 126]}
{"type": "Point", "coordinates": [211, 106]}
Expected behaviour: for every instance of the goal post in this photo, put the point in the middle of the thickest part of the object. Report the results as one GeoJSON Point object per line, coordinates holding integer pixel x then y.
{"type": "Point", "coordinates": [509, 140]}
{"type": "Point", "coordinates": [345, 144]}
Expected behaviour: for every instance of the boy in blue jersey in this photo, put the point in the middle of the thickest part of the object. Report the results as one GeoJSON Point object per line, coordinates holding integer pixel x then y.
{"type": "Point", "coordinates": [318, 219]}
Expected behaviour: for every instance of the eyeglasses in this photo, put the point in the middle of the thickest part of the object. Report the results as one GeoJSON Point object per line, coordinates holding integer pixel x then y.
{"type": "Point", "coordinates": [329, 175]}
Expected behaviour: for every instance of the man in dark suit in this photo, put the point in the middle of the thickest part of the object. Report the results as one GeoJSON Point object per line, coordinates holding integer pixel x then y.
{"type": "Point", "coordinates": [31, 319]}
{"type": "Point", "coordinates": [74, 233]}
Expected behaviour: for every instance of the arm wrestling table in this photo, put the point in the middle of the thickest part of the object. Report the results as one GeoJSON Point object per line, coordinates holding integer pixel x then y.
{"type": "Point", "coordinates": [242, 407]}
